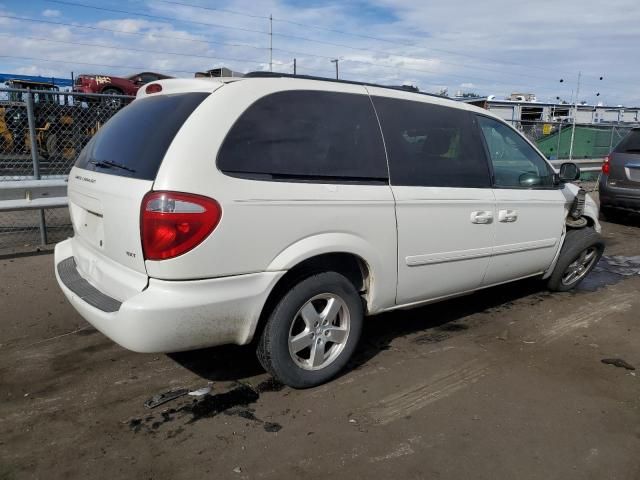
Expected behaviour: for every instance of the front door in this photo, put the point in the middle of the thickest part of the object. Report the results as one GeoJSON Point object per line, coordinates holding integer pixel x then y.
{"type": "Point", "coordinates": [530, 208]}
{"type": "Point", "coordinates": [444, 204]}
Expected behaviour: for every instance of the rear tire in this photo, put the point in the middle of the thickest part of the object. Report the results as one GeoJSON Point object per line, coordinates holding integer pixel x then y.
{"type": "Point", "coordinates": [580, 253]}
{"type": "Point", "coordinates": [312, 331]}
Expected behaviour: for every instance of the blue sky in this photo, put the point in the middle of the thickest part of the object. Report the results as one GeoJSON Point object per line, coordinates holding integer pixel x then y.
{"type": "Point", "coordinates": [493, 47]}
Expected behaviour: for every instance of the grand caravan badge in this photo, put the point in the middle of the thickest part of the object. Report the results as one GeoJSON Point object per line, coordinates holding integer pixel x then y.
{"type": "Point", "coordinates": [85, 179]}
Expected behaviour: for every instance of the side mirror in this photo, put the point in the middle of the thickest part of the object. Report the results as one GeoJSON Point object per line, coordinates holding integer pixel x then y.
{"type": "Point", "coordinates": [569, 172]}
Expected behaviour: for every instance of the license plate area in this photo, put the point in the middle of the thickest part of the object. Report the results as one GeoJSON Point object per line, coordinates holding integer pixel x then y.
{"type": "Point", "coordinates": [89, 225]}
{"type": "Point", "coordinates": [633, 171]}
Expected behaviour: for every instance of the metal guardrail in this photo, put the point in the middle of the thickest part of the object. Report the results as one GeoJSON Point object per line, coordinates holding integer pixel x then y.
{"type": "Point", "coordinates": [32, 194]}
{"type": "Point", "coordinates": [41, 135]}
{"type": "Point", "coordinates": [585, 164]}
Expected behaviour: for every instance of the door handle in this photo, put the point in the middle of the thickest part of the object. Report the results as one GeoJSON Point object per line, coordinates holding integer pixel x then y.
{"type": "Point", "coordinates": [507, 216]}
{"type": "Point", "coordinates": [482, 217]}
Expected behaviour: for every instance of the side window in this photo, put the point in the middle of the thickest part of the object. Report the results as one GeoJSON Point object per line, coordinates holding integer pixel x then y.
{"type": "Point", "coordinates": [306, 135]}
{"type": "Point", "coordinates": [148, 77]}
{"type": "Point", "coordinates": [431, 145]}
{"type": "Point", "coordinates": [515, 163]}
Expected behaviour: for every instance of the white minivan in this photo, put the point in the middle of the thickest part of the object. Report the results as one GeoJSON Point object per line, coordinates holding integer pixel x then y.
{"type": "Point", "coordinates": [286, 209]}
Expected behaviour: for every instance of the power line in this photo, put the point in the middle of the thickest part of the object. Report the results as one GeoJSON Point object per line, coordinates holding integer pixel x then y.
{"type": "Point", "coordinates": [295, 37]}
{"type": "Point", "coordinates": [370, 37]}
{"type": "Point", "coordinates": [140, 34]}
{"type": "Point", "coordinates": [157, 17]}
{"type": "Point", "coordinates": [131, 49]}
{"type": "Point", "coordinates": [179, 54]}
{"type": "Point", "coordinates": [352, 34]}
{"type": "Point", "coordinates": [363, 62]}
{"type": "Point", "coordinates": [216, 9]}
{"type": "Point", "coordinates": [123, 67]}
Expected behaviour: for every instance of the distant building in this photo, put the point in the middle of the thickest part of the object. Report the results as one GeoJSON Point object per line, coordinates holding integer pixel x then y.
{"type": "Point", "coordinates": [515, 109]}
{"type": "Point", "coordinates": [219, 72]}
{"type": "Point", "coordinates": [522, 97]}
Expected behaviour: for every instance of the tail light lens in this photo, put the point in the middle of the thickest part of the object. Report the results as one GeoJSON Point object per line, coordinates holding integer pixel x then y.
{"type": "Point", "coordinates": [173, 223]}
{"type": "Point", "coordinates": [153, 88]}
{"type": "Point", "coordinates": [606, 166]}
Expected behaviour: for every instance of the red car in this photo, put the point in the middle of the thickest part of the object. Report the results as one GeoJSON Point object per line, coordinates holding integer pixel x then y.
{"type": "Point", "coordinates": [108, 84]}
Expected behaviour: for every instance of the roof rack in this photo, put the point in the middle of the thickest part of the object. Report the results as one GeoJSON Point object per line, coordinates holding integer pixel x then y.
{"type": "Point", "coordinates": [406, 88]}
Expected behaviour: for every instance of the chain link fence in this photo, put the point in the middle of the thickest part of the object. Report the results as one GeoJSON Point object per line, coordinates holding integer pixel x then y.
{"type": "Point", "coordinates": [41, 135]}
{"type": "Point", "coordinates": [43, 131]}
{"type": "Point", "coordinates": [585, 144]}
{"type": "Point", "coordinates": [590, 140]}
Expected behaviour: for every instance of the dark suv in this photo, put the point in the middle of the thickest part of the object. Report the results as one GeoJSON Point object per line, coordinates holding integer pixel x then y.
{"type": "Point", "coordinates": [620, 179]}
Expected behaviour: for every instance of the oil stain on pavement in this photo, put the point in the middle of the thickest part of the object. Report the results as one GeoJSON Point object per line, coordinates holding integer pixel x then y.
{"type": "Point", "coordinates": [610, 270]}
{"type": "Point", "coordinates": [234, 402]}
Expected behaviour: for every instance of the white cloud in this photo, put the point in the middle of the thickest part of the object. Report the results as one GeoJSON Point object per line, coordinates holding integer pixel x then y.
{"type": "Point", "coordinates": [50, 13]}
{"type": "Point", "coordinates": [492, 47]}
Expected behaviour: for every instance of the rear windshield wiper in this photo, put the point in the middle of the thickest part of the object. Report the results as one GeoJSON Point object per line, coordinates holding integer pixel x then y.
{"type": "Point", "coordinates": [109, 164]}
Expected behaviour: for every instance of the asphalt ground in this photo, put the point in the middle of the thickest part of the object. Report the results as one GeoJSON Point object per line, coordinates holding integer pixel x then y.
{"type": "Point", "coordinates": [507, 383]}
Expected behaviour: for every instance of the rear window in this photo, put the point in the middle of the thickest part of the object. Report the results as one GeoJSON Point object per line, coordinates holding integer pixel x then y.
{"type": "Point", "coordinates": [134, 141]}
{"type": "Point", "coordinates": [306, 135]}
{"type": "Point", "coordinates": [630, 143]}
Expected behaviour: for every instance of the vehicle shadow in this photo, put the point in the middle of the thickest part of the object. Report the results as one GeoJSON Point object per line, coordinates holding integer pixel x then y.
{"type": "Point", "coordinates": [434, 322]}
{"type": "Point", "coordinates": [225, 363]}
{"type": "Point", "coordinates": [627, 219]}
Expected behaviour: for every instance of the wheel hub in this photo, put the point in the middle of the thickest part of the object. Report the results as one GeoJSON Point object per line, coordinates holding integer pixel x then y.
{"type": "Point", "coordinates": [580, 266]}
{"type": "Point", "coordinates": [319, 331]}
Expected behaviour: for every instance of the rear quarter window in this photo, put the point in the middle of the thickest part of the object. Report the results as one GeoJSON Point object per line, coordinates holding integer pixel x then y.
{"type": "Point", "coordinates": [304, 135]}
{"type": "Point", "coordinates": [630, 143]}
{"type": "Point", "coordinates": [134, 141]}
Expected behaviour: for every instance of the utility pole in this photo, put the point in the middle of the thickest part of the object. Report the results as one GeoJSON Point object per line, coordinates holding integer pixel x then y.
{"type": "Point", "coordinates": [336, 60]}
{"type": "Point", "coordinates": [271, 43]}
{"type": "Point", "coordinates": [575, 114]}
{"type": "Point", "coordinates": [294, 66]}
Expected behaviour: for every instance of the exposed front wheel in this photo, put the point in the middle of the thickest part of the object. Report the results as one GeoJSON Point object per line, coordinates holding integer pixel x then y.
{"type": "Point", "coordinates": [580, 253]}
{"type": "Point", "coordinates": [312, 331]}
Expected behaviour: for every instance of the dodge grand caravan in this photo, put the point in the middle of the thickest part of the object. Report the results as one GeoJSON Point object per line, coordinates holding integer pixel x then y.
{"type": "Point", "coordinates": [286, 209]}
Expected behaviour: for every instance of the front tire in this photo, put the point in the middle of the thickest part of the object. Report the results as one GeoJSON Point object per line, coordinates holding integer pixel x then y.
{"type": "Point", "coordinates": [114, 103]}
{"type": "Point", "coordinates": [580, 253]}
{"type": "Point", "coordinates": [313, 331]}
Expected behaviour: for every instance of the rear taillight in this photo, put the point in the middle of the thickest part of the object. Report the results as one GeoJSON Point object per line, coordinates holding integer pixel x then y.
{"type": "Point", "coordinates": [153, 88]}
{"type": "Point", "coordinates": [173, 223]}
{"type": "Point", "coordinates": [606, 166]}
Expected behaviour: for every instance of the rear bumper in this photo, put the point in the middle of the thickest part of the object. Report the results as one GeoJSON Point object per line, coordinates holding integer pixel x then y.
{"type": "Point", "coordinates": [622, 198]}
{"type": "Point", "coordinates": [170, 316]}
